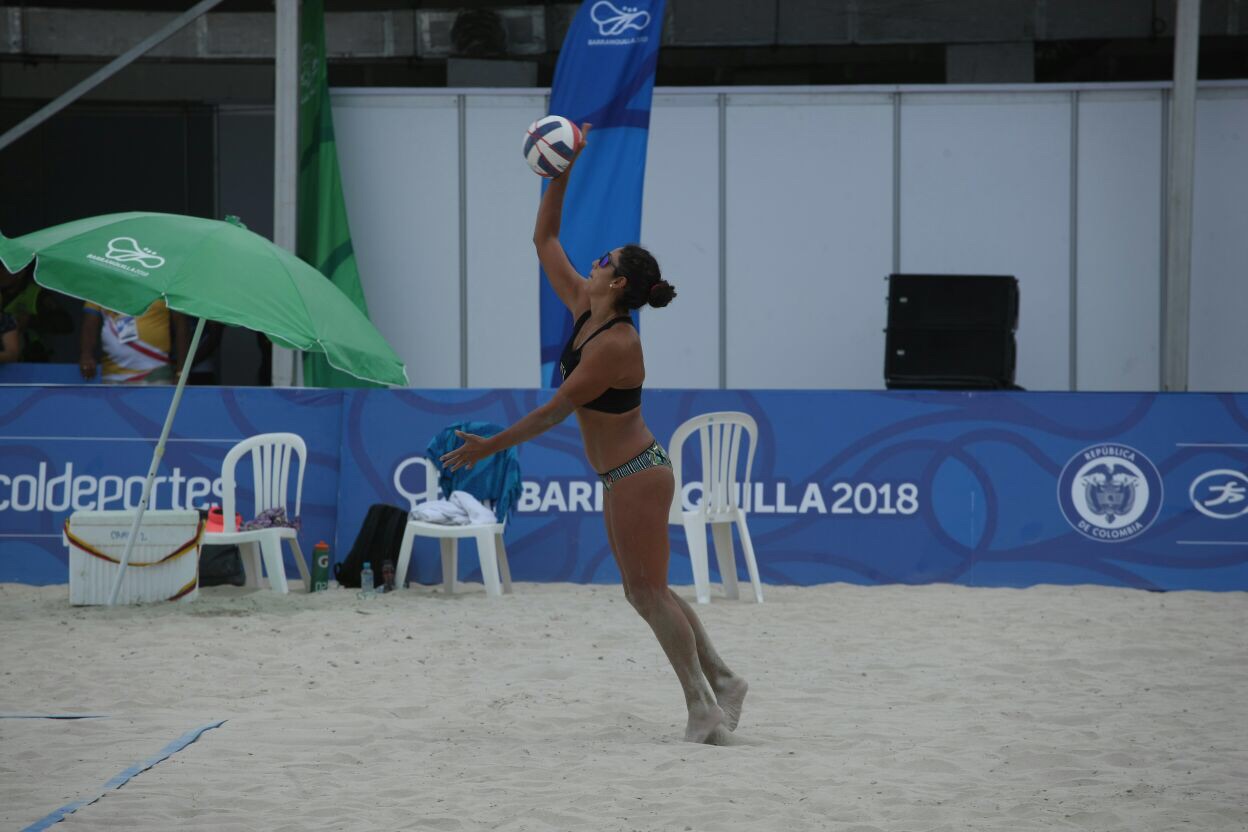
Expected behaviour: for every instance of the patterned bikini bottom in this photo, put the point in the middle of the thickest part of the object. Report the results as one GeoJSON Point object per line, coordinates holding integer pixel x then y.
{"type": "Point", "coordinates": [651, 457]}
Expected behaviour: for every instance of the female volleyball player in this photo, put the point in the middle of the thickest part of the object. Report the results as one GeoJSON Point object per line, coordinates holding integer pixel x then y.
{"type": "Point", "coordinates": [603, 371]}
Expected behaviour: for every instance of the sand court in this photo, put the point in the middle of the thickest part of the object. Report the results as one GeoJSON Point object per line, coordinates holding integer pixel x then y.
{"type": "Point", "coordinates": [871, 708]}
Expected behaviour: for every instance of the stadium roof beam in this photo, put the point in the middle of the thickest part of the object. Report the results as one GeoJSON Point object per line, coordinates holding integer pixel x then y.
{"type": "Point", "coordinates": [370, 31]}
{"type": "Point", "coordinates": [105, 72]}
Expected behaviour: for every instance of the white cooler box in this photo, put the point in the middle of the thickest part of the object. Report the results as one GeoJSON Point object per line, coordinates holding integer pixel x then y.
{"type": "Point", "coordinates": [163, 533]}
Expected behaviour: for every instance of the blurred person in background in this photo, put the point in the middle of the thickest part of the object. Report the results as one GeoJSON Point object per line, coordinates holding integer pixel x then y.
{"type": "Point", "coordinates": [135, 349]}
{"type": "Point", "coordinates": [37, 312]}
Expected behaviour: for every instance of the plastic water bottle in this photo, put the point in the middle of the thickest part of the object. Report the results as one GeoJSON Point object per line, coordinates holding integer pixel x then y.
{"type": "Point", "coordinates": [367, 590]}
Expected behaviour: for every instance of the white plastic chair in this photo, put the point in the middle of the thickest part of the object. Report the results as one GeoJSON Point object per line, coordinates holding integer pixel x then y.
{"type": "Point", "coordinates": [489, 538]}
{"type": "Point", "coordinates": [719, 437]}
{"type": "Point", "coordinates": [271, 469]}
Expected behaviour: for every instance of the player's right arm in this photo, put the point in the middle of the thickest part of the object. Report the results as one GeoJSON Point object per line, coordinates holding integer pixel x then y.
{"type": "Point", "coordinates": [568, 284]}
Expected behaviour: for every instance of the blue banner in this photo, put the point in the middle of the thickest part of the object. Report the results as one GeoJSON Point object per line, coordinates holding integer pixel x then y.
{"type": "Point", "coordinates": [981, 489]}
{"type": "Point", "coordinates": [64, 449]}
{"type": "Point", "coordinates": [605, 76]}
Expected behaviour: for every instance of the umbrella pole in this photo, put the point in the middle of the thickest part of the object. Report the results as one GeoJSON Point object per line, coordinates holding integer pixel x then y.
{"type": "Point", "coordinates": [156, 455]}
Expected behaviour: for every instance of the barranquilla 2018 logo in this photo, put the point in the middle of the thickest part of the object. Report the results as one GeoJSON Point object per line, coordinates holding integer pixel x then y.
{"type": "Point", "coordinates": [619, 25]}
{"type": "Point", "coordinates": [124, 251]}
{"type": "Point", "coordinates": [1110, 492]}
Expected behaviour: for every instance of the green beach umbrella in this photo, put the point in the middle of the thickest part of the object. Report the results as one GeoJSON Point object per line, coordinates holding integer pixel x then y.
{"type": "Point", "coordinates": [211, 270]}
{"type": "Point", "coordinates": [206, 269]}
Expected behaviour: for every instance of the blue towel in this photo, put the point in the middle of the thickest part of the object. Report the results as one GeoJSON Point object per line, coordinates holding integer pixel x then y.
{"type": "Point", "coordinates": [495, 478]}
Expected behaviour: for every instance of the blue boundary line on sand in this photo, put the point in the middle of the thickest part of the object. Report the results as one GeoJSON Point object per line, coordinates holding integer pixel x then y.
{"type": "Point", "coordinates": [53, 716]}
{"type": "Point", "coordinates": [121, 779]}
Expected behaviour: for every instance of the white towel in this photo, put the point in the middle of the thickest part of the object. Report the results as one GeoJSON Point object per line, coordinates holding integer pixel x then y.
{"type": "Point", "coordinates": [442, 512]}
{"type": "Point", "coordinates": [478, 514]}
{"type": "Point", "coordinates": [462, 509]}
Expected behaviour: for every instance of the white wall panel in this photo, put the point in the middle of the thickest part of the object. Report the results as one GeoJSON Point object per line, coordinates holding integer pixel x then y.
{"type": "Point", "coordinates": [985, 189]}
{"type": "Point", "coordinates": [399, 154]}
{"type": "Point", "coordinates": [680, 225]}
{"type": "Point", "coordinates": [809, 239]}
{"type": "Point", "coordinates": [1119, 241]}
{"type": "Point", "coordinates": [1219, 332]}
{"type": "Point", "coordinates": [503, 278]}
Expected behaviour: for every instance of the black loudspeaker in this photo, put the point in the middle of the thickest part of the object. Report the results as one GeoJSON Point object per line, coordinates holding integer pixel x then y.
{"type": "Point", "coordinates": [949, 359]}
{"type": "Point", "coordinates": [952, 301]}
{"type": "Point", "coordinates": [953, 332]}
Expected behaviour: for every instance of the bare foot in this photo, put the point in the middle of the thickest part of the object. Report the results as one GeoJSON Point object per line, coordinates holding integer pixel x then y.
{"type": "Point", "coordinates": [722, 736]}
{"type": "Point", "coordinates": [730, 695]}
{"type": "Point", "coordinates": [703, 722]}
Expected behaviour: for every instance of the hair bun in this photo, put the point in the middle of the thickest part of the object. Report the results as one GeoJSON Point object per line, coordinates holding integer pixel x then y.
{"type": "Point", "coordinates": [661, 293]}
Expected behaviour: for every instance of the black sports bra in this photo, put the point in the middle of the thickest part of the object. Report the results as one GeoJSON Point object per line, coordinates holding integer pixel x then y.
{"type": "Point", "coordinates": [615, 399]}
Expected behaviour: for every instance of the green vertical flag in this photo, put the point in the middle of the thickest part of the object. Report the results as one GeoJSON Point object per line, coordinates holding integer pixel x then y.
{"type": "Point", "coordinates": [324, 238]}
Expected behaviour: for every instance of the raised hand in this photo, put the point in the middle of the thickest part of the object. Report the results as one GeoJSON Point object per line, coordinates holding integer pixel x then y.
{"type": "Point", "coordinates": [585, 128]}
{"type": "Point", "coordinates": [474, 449]}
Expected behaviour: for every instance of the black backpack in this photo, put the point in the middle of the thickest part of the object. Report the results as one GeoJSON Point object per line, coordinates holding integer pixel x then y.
{"type": "Point", "coordinates": [220, 564]}
{"type": "Point", "coordinates": [378, 541]}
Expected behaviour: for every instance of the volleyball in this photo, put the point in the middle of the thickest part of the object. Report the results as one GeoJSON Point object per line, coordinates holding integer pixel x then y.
{"type": "Point", "coordinates": [550, 144]}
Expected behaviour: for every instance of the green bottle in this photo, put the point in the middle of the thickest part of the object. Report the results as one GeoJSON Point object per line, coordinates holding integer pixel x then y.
{"type": "Point", "coordinates": [320, 567]}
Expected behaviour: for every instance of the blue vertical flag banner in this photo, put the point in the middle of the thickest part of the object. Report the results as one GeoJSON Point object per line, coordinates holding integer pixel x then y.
{"type": "Point", "coordinates": [605, 76]}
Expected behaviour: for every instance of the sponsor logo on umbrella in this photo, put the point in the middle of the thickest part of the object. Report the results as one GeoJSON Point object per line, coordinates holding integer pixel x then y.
{"type": "Point", "coordinates": [125, 250]}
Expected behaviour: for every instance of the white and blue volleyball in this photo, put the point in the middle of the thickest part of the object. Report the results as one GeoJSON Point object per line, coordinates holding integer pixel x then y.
{"type": "Point", "coordinates": [550, 144]}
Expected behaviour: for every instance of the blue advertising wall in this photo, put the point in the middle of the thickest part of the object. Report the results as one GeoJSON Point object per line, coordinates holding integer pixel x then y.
{"type": "Point", "coordinates": [985, 489]}
{"type": "Point", "coordinates": [71, 447]}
